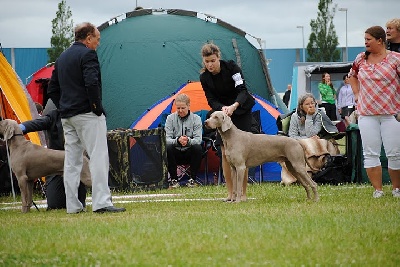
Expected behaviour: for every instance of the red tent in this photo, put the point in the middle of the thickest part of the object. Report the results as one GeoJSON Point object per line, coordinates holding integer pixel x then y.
{"type": "Point", "coordinates": [37, 87]}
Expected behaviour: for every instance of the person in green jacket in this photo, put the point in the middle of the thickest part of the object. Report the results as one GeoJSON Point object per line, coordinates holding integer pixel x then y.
{"type": "Point", "coordinates": [328, 96]}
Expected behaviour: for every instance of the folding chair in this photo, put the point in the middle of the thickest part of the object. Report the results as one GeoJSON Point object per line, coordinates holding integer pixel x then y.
{"type": "Point", "coordinates": [283, 123]}
{"type": "Point", "coordinates": [183, 169]}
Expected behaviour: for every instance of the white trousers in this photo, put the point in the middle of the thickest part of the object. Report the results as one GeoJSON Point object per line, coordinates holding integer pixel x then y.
{"type": "Point", "coordinates": [376, 130]}
{"type": "Point", "coordinates": [86, 132]}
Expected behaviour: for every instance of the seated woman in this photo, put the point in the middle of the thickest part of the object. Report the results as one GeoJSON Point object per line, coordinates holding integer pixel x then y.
{"type": "Point", "coordinates": [312, 128]}
{"type": "Point", "coordinates": [309, 122]}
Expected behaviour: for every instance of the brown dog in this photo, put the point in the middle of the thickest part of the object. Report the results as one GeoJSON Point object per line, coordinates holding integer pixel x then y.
{"type": "Point", "coordinates": [30, 161]}
{"type": "Point", "coordinates": [244, 150]}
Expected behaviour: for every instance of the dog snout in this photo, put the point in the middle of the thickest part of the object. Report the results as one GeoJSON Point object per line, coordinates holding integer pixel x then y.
{"type": "Point", "coordinates": [206, 124]}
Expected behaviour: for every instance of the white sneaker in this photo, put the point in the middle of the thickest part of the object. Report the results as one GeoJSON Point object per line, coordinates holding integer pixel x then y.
{"type": "Point", "coordinates": [191, 183]}
{"type": "Point", "coordinates": [396, 192]}
{"type": "Point", "coordinates": [175, 184]}
{"type": "Point", "coordinates": [377, 194]}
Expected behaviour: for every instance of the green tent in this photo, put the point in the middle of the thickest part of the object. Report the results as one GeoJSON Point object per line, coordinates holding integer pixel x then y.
{"type": "Point", "coordinates": [147, 54]}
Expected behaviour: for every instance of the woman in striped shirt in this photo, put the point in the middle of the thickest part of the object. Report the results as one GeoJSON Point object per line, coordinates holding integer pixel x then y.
{"type": "Point", "coordinates": [375, 80]}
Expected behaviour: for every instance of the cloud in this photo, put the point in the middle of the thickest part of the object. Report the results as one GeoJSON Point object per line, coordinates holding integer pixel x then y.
{"type": "Point", "coordinates": [27, 23]}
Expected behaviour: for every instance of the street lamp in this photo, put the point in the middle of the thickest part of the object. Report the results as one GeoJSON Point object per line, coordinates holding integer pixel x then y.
{"type": "Point", "coordinates": [304, 50]}
{"type": "Point", "coordinates": [347, 51]}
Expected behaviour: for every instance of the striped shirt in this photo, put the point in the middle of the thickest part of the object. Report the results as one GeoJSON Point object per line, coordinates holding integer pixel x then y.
{"type": "Point", "coordinates": [379, 85]}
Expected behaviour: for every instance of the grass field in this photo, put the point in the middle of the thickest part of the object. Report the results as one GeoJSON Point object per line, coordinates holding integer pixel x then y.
{"type": "Point", "coordinates": [193, 227]}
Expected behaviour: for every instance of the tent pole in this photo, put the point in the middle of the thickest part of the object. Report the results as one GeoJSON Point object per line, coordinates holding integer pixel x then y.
{"type": "Point", "coordinates": [8, 154]}
{"type": "Point", "coordinates": [237, 53]}
{"type": "Point", "coordinates": [270, 89]}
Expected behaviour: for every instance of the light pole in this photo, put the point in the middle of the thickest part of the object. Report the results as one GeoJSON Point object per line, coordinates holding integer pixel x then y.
{"type": "Point", "coordinates": [347, 51]}
{"type": "Point", "coordinates": [304, 50]}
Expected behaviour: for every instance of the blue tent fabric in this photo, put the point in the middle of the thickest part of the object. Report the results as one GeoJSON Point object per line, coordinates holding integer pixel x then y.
{"type": "Point", "coordinates": [268, 113]}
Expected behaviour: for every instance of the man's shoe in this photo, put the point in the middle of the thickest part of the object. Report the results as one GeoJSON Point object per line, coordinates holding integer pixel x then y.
{"type": "Point", "coordinates": [74, 212]}
{"type": "Point", "coordinates": [110, 209]}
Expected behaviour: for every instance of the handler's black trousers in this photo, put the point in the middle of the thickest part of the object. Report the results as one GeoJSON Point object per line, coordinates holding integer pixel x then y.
{"type": "Point", "coordinates": [55, 192]}
{"type": "Point", "coordinates": [190, 156]}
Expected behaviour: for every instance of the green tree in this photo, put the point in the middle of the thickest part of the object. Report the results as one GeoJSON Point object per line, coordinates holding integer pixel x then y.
{"type": "Point", "coordinates": [323, 42]}
{"type": "Point", "coordinates": [63, 32]}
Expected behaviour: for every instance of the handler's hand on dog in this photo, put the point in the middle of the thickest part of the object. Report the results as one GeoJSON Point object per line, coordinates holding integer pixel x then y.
{"type": "Point", "coordinates": [228, 110]}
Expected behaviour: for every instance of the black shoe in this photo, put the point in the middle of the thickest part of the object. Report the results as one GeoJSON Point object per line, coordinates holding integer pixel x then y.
{"type": "Point", "coordinates": [110, 209]}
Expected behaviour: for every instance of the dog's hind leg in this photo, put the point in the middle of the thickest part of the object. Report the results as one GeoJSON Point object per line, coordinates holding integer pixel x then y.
{"type": "Point", "coordinates": [301, 175]}
{"type": "Point", "coordinates": [245, 181]}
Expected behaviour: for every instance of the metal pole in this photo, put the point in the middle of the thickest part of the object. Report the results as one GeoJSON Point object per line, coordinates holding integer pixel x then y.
{"type": "Point", "coordinates": [346, 57]}
{"type": "Point", "coordinates": [347, 48]}
{"type": "Point", "coordinates": [304, 49]}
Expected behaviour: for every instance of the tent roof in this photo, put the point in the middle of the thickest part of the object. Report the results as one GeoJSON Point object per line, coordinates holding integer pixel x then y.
{"type": "Point", "coordinates": [148, 53]}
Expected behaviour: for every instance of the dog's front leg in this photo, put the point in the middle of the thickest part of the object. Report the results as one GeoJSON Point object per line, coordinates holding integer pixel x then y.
{"type": "Point", "coordinates": [226, 169]}
{"type": "Point", "coordinates": [240, 170]}
{"type": "Point", "coordinates": [234, 183]}
{"type": "Point", "coordinates": [24, 187]}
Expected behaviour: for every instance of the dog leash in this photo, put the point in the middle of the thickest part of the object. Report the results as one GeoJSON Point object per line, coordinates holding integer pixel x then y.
{"type": "Point", "coordinates": [34, 204]}
{"type": "Point", "coordinates": [11, 174]}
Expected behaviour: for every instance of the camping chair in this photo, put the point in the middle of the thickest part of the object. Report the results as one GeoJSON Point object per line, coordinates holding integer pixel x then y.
{"type": "Point", "coordinates": [208, 143]}
{"type": "Point", "coordinates": [336, 167]}
{"type": "Point", "coordinates": [283, 123]}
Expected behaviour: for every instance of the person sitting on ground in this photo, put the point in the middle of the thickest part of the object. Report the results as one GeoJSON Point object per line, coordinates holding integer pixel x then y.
{"type": "Point", "coordinates": [309, 122]}
{"type": "Point", "coordinates": [183, 137]}
{"type": "Point", "coordinates": [51, 122]}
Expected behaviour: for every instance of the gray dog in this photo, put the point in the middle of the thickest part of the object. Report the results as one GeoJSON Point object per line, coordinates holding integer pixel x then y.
{"type": "Point", "coordinates": [30, 161]}
{"type": "Point", "coordinates": [244, 150]}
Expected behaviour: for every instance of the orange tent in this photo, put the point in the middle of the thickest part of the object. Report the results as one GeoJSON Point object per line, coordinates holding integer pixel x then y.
{"type": "Point", "coordinates": [15, 101]}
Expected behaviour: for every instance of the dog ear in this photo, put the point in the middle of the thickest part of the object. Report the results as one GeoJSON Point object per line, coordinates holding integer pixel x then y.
{"type": "Point", "coordinates": [226, 123]}
{"type": "Point", "coordinates": [8, 131]}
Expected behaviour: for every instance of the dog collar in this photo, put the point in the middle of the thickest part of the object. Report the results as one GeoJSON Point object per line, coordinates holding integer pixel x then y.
{"type": "Point", "coordinates": [17, 135]}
